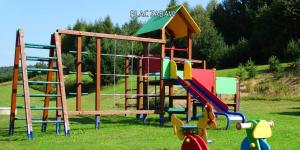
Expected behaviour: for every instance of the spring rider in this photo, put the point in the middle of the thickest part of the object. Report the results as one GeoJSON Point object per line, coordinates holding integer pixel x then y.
{"type": "Point", "coordinates": [257, 132]}
{"type": "Point", "coordinates": [194, 137]}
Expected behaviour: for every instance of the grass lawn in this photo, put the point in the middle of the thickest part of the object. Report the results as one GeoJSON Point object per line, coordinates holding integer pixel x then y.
{"type": "Point", "coordinates": [120, 132]}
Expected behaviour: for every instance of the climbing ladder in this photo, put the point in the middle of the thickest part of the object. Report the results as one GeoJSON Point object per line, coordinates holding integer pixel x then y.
{"type": "Point", "coordinates": [54, 69]}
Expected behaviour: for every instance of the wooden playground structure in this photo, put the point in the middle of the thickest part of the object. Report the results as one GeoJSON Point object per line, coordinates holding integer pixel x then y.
{"type": "Point", "coordinates": [170, 28]}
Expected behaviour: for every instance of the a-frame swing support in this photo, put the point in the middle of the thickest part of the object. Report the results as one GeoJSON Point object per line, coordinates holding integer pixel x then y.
{"type": "Point", "coordinates": [61, 105]}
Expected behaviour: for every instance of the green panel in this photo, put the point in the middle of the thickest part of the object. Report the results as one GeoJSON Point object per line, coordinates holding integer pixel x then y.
{"type": "Point", "coordinates": [180, 73]}
{"type": "Point", "coordinates": [226, 85]}
{"type": "Point", "coordinates": [157, 22]}
{"type": "Point", "coordinates": [166, 68]}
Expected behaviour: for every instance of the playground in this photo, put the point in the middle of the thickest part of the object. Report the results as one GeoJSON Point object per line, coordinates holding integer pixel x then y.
{"type": "Point", "coordinates": [153, 94]}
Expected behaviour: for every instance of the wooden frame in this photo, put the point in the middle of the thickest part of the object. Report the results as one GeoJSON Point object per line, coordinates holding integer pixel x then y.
{"type": "Point", "coordinates": [140, 87]}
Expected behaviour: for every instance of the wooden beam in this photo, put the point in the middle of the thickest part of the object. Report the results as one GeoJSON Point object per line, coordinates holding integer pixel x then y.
{"type": "Point", "coordinates": [144, 73]}
{"type": "Point", "coordinates": [113, 112]}
{"type": "Point", "coordinates": [49, 79]}
{"type": "Point", "coordinates": [109, 36]}
{"type": "Point", "coordinates": [126, 82]}
{"type": "Point", "coordinates": [78, 74]}
{"type": "Point", "coordinates": [62, 82]}
{"type": "Point", "coordinates": [161, 82]}
{"type": "Point", "coordinates": [140, 85]}
{"type": "Point", "coordinates": [25, 85]}
{"type": "Point", "coordinates": [183, 59]}
{"type": "Point", "coordinates": [98, 74]}
{"type": "Point", "coordinates": [15, 84]}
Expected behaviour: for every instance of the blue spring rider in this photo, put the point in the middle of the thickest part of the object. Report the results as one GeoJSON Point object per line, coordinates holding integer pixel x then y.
{"type": "Point", "coordinates": [257, 132]}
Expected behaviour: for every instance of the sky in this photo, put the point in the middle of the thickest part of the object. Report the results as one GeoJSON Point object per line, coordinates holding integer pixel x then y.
{"type": "Point", "coordinates": [39, 19]}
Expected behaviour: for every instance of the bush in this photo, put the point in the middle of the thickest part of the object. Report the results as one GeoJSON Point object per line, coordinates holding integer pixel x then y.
{"type": "Point", "coordinates": [274, 64]}
{"type": "Point", "coordinates": [293, 49]}
{"type": "Point", "coordinates": [241, 72]}
{"type": "Point", "coordinates": [251, 68]}
{"type": "Point", "coordinates": [296, 66]}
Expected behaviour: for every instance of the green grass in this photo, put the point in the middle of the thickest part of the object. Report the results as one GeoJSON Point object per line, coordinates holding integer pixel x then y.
{"type": "Point", "coordinates": [120, 132]}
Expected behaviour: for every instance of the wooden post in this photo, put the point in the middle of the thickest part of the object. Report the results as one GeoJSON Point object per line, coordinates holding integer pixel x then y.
{"type": "Point", "coordinates": [126, 82]}
{"type": "Point", "coordinates": [25, 86]}
{"type": "Point", "coordinates": [161, 81]}
{"type": "Point", "coordinates": [98, 81]}
{"type": "Point", "coordinates": [48, 86]}
{"type": "Point", "coordinates": [144, 73]}
{"type": "Point", "coordinates": [171, 89]}
{"type": "Point", "coordinates": [78, 74]}
{"type": "Point", "coordinates": [189, 97]}
{"type": "Point", "coordinates": [237, 95]}
{"type": "Point", "coordinates": [62, 83]}
{"type": "Point", "coordinates": [139, 104]}
{"type": "Point", "coordinates": [15, 84]}
{"type": "Point", "coordinates": [204, 64]}
{"type": "Point", "coordinates": [145, 79]}
{"type": "Point", "coordinates": [58, 104]}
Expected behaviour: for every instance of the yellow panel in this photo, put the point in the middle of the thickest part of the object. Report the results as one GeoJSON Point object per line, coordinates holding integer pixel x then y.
{"type": "Point", "coordinates": [191, 21]}
{"type": "Point", "coordinates": [177, 124]}
{"type": "Point", "coordinates": [187, 70]}
{"type": "Point", "coordinates": [262, 130]}
{"type": "Point", "coordinates": [178, 26]}
{"type": "Point", "coordinates": [173, 69]}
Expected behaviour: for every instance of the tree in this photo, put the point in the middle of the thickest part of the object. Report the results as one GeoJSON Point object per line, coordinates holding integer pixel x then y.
{"type": "Point", "coordinates": [172, 3]}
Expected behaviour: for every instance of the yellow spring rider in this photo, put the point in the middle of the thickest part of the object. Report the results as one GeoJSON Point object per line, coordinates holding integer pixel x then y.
{"type": "Point", "coordinates": [195, 137]}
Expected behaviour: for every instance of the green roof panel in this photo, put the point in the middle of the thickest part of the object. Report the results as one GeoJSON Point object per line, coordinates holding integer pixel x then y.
{"type": "Point", "coordinates": [158, 22]}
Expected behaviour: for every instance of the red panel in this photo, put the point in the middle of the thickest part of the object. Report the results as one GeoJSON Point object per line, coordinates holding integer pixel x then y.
{"type": "Point", "coordinates": [205, 77]}
{"type": "Point", "coordinates": [154, 64]}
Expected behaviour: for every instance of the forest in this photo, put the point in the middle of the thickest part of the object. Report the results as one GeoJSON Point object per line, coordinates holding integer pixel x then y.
{"type": "Point", "coordinates": [232, 32]}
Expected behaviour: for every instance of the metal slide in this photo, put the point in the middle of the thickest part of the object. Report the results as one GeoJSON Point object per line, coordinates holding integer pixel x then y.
{"type": "Point", "coordinates": [204, 96]}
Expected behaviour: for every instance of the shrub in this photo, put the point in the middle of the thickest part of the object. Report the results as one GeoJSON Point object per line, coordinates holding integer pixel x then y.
{"type": "Point", "coordinates": [274, 64]}
{"type": "Point", "coordinates": [251, 68]}
{"type": "Point", "coordinates": [293, 49]}
{"type": "Point", "coordinates": [241, 72]}
{"type": "Point", "coordinates": [296, 66]}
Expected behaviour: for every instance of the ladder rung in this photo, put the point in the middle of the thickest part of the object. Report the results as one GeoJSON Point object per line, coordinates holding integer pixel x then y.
{"type": "Point", "coordinates": [131, 105]}
{"type": "Point", "coordinates": [25, 119]}
{"type": "Point", "coordinates": [34, 58]}
{"type": "Point", "coordinates": [39, 46]}
{"type": "Point", "coordinates": [83, 73]}
{"type": "Point", "coordinates": [132, 89]}
{"type": "Point", "coordinates": [39, 82]}
{"type": "Point", "coordinates": [75, 52]}
{"type": "Point", "coordinates": [76, 93]}
{"type": "Point", "coordinates": [42, 70]}
{"type": "Point", "coordinates": [131, 98]}
{"type": "Point", "coordinates": [47, 121]}
{"type": "Point", "coordinates": [39, 95]}
{"type": "Point", "coordinates": [41, 108]}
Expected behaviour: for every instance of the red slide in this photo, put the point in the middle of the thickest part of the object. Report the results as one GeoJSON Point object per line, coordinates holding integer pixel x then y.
{"type": "Point", "coordinates": [211, 96]}
{"type": "Point", "coordinates": [198, 95]}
